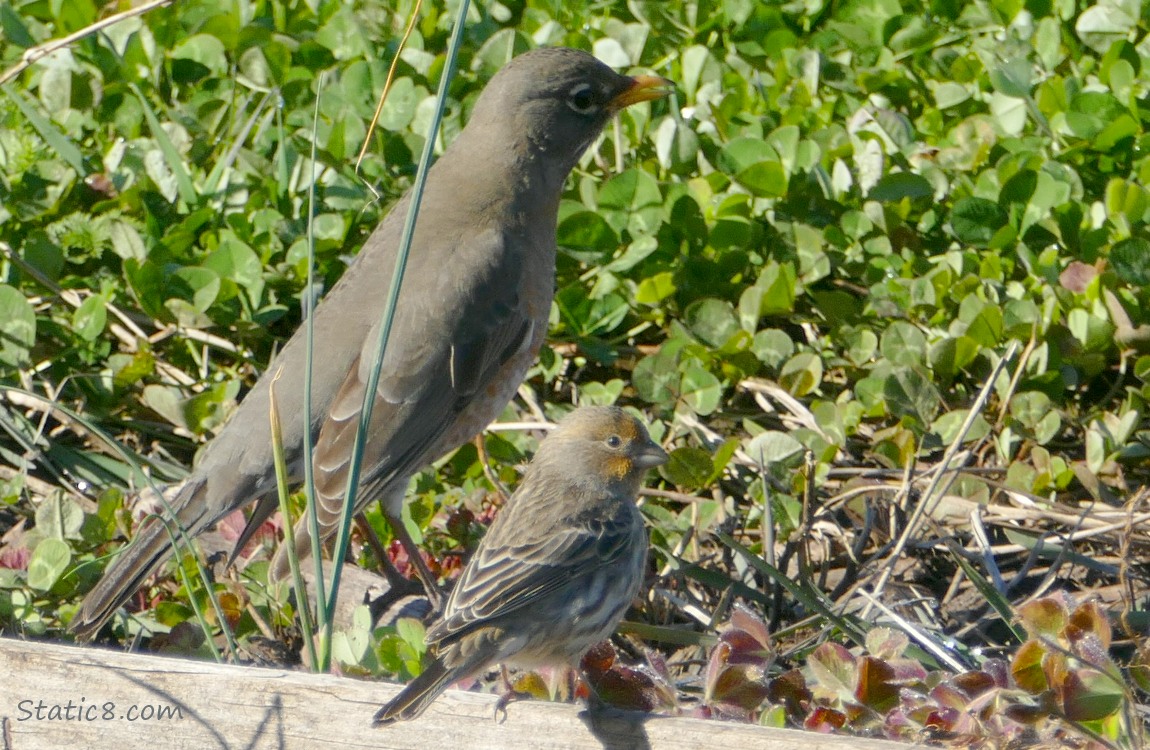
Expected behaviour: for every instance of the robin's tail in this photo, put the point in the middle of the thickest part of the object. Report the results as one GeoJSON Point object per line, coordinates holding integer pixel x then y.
{"type": "Point", "coordinates": [151, 547]}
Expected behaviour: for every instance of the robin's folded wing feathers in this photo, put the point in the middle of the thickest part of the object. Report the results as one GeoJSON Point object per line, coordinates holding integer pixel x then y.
{"type": "Point", "coordinates": [503, 579]}
{"type": "Point", "coordinates": [431, 375]}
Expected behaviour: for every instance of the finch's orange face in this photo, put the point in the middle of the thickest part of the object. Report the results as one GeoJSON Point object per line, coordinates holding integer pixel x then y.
{"type": "Point", "coordinates": [619, 441]}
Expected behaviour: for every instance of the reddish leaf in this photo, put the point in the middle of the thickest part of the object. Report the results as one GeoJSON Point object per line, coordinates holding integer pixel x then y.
{"type": "Point", "coordinates": [1089, 619]}
{"type": "Point", "coordinates": [640, 688]}
{"type": "Point", "coordinates": [598, 659]}
{"type": "Point", "coordinates": [743, 618]}
{"type": "Point", "coordinates": [1024, 714]}
{"type": "Point", "coordinates": [874, 688]}
{"type": "Point", "coordinates": [825, 720]}
{"type": "Point", "coordinates": [907, 672]}
{"type": "Point", "coordinates": [973, 683]}
{"type": "Point", "coordinates": [999, 671]}
{"type": "Point", "coordinates": [1091, 650]}
{"type": "Point", "coordinates": [949, 696]}
{"type": "Point", "coordinates": [790, 690]}
{"type": "Point", "coordinates": [1077, 276]}
{"type": "Point", "coordinates": [627, 688]}
{"type": "Point", "coordinates": [943, 718]}
{"type": "Point", "coordinates": [15, 558]}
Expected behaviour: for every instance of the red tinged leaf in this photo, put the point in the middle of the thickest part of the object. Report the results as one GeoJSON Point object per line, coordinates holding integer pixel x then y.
{"type": "Point", "coordinates": [740, 685]}
{"type": "Point", "coordinates": [973, 683]}
{"type": "Point", "coordinates": [947, 695]}
{"type": "Point", "coordinates": [639, 688]}
{"type": "Point", "coordinates": [907, 672]}
{"type": "Point", "coordinates": [746, 620]}
{"type": "Point", "coordinates": [15, 558]}
{"type": "Point", "coordinates": [1089, 695]}
{"type": "Point", "coordinates": [875, 689]}
{"type": "Point", "coordinates": [1027, 670]}
{"type": "Point", "coordinates": [1087, 620]}
{"type": "Point", "coordinates": [1077, 276]}
{"type": "Point", "coordinates": [598, 660]}
{"type": "Point", "coordinates": [886, 643]}
{"type": "Point", "coordinates": [825, 720]}
{"type": "Point", "coordinates": [999, 671]}
{"type": "Point", "coordinates": [1024, 714]}
{"type": "Point", "coordinates": [943, 719]}
{"type": "Point", "coordinates": [835, 670]}
{"type": "Point", "coordinates": [790, 690]}
{"type": "Point", "coordinates": [1045, 617]}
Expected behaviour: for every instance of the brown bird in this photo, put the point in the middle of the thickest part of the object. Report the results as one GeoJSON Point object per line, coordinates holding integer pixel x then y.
{"type": "Point", "coordinates": [559, 566]}
{"type": "Point", "coordinates": [471, 317]}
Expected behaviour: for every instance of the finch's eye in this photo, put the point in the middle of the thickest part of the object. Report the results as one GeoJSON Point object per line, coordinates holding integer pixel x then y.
{"type": "Point", "coordinates": [581, 98]}
{"type": "Point", "coordinates": [614, 441]}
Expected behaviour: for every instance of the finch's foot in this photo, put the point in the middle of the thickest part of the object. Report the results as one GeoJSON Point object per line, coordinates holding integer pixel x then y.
{"type": "Point", "coordinates": [509, 694]}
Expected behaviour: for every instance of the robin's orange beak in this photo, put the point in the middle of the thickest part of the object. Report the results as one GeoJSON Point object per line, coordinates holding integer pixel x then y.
{"type": "Point", "coordinates": [642, 89]}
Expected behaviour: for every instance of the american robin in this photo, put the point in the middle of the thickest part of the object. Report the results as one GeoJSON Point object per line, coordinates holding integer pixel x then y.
{"type": "Point", "coordinates": [559, 566]}
{"type": "Point", "coordinates": [472, 314]}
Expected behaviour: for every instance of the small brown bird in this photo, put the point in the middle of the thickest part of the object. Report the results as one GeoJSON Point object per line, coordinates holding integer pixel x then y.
{"type": "Point", "coordinates": [559, 566]}
{"type": "Point", "coordinates": [471, 317]}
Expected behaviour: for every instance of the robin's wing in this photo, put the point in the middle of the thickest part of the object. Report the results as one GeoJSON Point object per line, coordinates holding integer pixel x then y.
{"type": "Point", "coordinates": [503, 578]}
{"type": "Point", "coordinates": [459, 320]}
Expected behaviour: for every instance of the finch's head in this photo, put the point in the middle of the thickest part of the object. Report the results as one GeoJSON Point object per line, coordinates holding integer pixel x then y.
{"type": "Point", "coordinates": [603, 441]}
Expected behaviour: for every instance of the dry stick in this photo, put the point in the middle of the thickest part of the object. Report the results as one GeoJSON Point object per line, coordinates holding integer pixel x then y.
{"type": "Point", "coordinates": [934, 491]}
{"type": "Point", "coordinates": [680, 497]}
{"type": "Point", "coordinates": [387, 84]}
{"type": "Point", "coordinates": [485, 462]}
{"type": "Point", "coordinates": [917, 633]}
{"type": "Point", "coordinates": [761, 389]}
{"type": "Point", "coordinates": [32, 54]}
{"type": "Point", "coordinates": [1075, 536]}
{"type": "Point", "coordinates": [1022, 361]}
{"type": "Point", "coordinates": [1124, 582]}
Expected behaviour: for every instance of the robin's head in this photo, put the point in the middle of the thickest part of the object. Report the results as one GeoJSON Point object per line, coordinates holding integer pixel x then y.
{"type": "Point", "coordinates": [603, 442]}
{"type": "Point", "coordinates": [552, 103]}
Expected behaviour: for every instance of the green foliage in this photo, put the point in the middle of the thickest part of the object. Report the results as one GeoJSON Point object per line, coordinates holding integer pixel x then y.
{"type": "Point", "coordinates": [821, 244]}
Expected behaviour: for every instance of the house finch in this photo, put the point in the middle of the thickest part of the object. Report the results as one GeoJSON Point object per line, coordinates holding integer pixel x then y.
{"type": "Point", "coordinates": [471, 317]}
{"type": "Point", "coordinates": [559, 566]}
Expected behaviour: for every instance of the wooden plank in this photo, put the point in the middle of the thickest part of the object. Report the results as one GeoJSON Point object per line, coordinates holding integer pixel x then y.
{"type": "Point", "coordinates": [121, 700]}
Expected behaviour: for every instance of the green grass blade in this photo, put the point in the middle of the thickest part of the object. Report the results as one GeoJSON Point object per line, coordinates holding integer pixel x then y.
{"type": "Point", "coordinates": [282, 484]}
{"type": "Point", "coordinates": [806, 595]}
{"type": "Point", "coordinates": [183, 180]}
{"type": "Point", "coordinates": [59, 142]}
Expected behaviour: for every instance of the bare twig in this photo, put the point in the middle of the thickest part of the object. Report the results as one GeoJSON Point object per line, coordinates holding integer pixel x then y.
{"type": "Point", "coordinates": [33, 54]}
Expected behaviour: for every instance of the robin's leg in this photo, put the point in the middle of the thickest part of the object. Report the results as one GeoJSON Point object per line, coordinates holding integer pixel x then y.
{"type": "Point", "coordinates": [399, 531]}
{"type": "Point", "coordinates": [397, 583]}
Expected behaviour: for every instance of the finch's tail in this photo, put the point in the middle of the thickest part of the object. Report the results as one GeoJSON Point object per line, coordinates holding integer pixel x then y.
{"type": "Point", "coordinates": [418, 694]}
{"type": "Point", "coordinates": [140, 559]}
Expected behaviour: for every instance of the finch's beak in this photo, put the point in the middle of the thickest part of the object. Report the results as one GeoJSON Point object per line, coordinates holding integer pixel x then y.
{"type": "Point", "coordinates": [642, 89]}
{"type": "Point", "coordinates": [649, 454]}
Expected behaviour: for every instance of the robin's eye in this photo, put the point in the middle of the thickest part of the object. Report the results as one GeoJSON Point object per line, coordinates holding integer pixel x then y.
{"type": "Point", "coordinates": [614, 441]}
{"type": "Point", "coordinates": [581, 98]}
